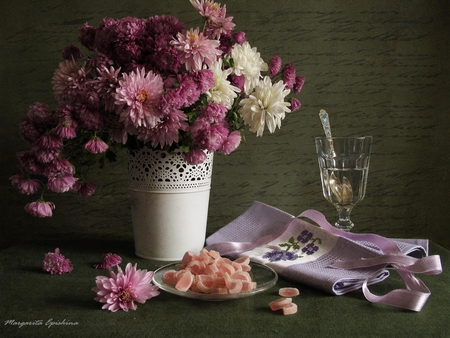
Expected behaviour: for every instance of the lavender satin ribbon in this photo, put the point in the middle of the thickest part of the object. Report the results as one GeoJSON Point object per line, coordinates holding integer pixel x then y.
{"type": "Point", "coordinates": [416, 293]}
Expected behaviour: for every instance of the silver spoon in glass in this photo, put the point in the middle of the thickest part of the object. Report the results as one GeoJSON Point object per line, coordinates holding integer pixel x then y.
{"type": "Point", "coordinates": [342, 190]}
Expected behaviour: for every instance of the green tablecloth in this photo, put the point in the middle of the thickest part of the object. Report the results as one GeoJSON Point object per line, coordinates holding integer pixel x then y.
{"type": "Point", "coordinates": [31, 296]}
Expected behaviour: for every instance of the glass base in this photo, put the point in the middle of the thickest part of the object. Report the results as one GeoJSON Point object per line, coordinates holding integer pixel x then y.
{"type": "Point", "coordinates": [344, 224]}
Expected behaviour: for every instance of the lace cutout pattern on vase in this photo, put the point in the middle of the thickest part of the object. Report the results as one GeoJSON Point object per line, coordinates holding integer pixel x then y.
{"type": "Point", "coordinates": [161, 170]}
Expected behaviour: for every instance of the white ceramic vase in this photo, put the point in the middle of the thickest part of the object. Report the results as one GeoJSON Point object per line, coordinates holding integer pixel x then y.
{"type": "Point", "coordinates": [169, 203]}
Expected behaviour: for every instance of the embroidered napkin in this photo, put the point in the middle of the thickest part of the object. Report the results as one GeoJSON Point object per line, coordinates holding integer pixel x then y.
{"type": "Point", "coordinates": [305, 253]}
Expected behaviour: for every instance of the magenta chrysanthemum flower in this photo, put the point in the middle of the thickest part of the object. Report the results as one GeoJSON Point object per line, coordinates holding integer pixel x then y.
{"type": "Point", "coordinates": [96, 145]}
{"type": "Point", "coordinates": [40, 208]}
{"type": "Point", "coordinates": [45, 155]}
{"type": "Point", "coordinates": [84, 189]}
{"type": "Point", "coordinates": [299, 81]}
{"type": "Point", "coordinates": [166, 132]}
{"type": "Point", "coordinates": [238, 81]}
{"type": "Point", "coordinates": [217, 22]}
{"type": "Point", "coordinates": [24, 185]}
{"type": "Point", "coordinates": [289, 75]}
{"type": "Point", "coordinates": [87, 36]}
{"type": "Point", "coordinates": [56, 264]}
{"type": "Point", "coordinates": [68, 80]}
{"type": "Point", "coordinates": [59, 166]}
{"type": "Point", "coordinates": [61, 183]}
{"type": "Point", "coordinates": [40, 114]}
{"type": "Point", "coordinates": [274, 66]}
{"type": "Point", "coordinates": [65, 131]}
{"type": "Point", "coordinates": [239, 37]}
{"type": "Point", "coordinates": [29, 161]}
{"type": "Point", "coordinates": [195, 156]}
{"type": "Point", "coordinates": [49, 141]}
{"type": "Point", "coordinates": [214, 113]}
{"type": "Point", "coordinates": [122, 289]}
{"type": "Point", "coordinates": [196, 49]}
{"type": "Point", "coordinates": [207, 136]}
{"type": "Point", "coordinates": [109, 260]}
{"type": "Point", "coordinates": [207, 8]}
{"type": "Point", "coordinates": [137, 96]}
{"type": "Point", "coordinates": [106, 86]}
{"type": "Point", "coordinates": [231, 143]}
{"type": "Point", "coordinates": [72, 52]}
{"type": "Point", "coordinates": [29, 131]}
{"type": "Point", "coordinates": [295, 104]}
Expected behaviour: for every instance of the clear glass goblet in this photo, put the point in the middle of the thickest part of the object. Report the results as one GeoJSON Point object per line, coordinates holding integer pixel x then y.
{"type": "Point", "coordinates": [344, 166]}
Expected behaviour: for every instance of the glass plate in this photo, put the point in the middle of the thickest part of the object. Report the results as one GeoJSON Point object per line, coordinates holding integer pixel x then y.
{"type": "Point", "coordinates": [264, 276]}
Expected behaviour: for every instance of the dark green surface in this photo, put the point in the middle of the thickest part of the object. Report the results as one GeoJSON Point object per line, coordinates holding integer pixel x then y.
{"type": "Point", "coordinates": [28, 295]}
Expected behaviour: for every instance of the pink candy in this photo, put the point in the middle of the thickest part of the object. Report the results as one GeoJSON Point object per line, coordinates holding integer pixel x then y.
{"type": "Point", "coordinates": [208, 272]}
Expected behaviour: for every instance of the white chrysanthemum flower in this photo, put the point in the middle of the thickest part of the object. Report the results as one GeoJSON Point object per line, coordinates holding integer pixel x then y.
{"type": "Point", "coordinates": [265, 106]}
{"type": "Point", "coordinates": [248, 62]}
{"type": "Point", "coordinates": [222, 92]}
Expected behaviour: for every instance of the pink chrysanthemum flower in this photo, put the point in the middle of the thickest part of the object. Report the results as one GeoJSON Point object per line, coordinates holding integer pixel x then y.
{"type": "Point", "coordinates": [56, 264]}
{"type": "Point", "coordinates": [295, 104]}
{"type": "Point", "coordinates": [299, 81]}
{"type": "Point", "coordinates": [65, 131]}
{"type": "Point", "coordinates": [40, 114]}
{"type": "Point", "coordinates": [96, 145]}
{"type": "Point", "coordinates": [29, 131]}
{"type": "Point", "coordinates": [195, 156]}
{"type": "Point", "coordinates": [207, 8]}
{"type": "Point", "coordinates": [40, 208]}
{"type": "Point", "coordinates": [213, 113]}
{"type": "Point", "coordinates": [196, 49]}
{"type": "Point", "coordinates": [109, 260]}
{"type": "Point", "coordinates": [61, 183]}
{"type": "Point", "coordinates": [59, 166]}
{"type": "Point", "coordinates": [231, 143]}
{"type": "Point", "coordinates": [24, 185]}
{"type": "Point", "coordinates": [166, 132]}
{"type": "Point", "coordinates": [217, 22]}
{"type": "Point", "coordinates": [120, 290]}
{"type": "Point", "coordinates": [274, 66]}
{"type": "Point", "coordinates": [107, 84]}
{"type": "Point", "coordinates": [238, 81]}
{"type": "Point", "coordinates": [84, 189]}
{"type": "Point", "coordinates": [239, 37]}
{"type": "Point", "coordinates": [49, 141]}
{"type": "Point", "coordinates": [207, 136]}
{"type": "Point", "coordinates": [72, 52]}
{"type": "Point", "coordinates": [137, 96]}
{"type": "Point", "coordinates": [45, 155]}
{"type": "Point", "coordinates": [289, 75]}
{"type": "Point", "coordinates": [29, 161]}
{"type": "Point", "coordinates": [68, 80]}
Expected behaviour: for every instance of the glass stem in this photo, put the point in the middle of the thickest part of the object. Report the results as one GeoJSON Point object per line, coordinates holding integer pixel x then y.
{"type": "Point", "coordinates": [344, 222]}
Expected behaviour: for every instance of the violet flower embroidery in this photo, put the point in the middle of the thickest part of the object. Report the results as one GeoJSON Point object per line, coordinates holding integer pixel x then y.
{"type": "Point", "coordinates": [280, 255]}
{"type": "Point", "coordinates": [310, 249]}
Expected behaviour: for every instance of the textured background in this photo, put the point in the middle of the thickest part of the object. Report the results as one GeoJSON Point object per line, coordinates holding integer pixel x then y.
{"type": "Point", "coordinates": [379, 68]}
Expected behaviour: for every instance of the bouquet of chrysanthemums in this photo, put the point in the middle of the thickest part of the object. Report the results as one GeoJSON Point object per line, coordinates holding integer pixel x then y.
{"type": "Point", "coordinates": [150, 82]}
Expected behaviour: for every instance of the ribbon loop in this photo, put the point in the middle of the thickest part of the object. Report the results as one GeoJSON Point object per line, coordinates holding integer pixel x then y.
{"type": "Point", "coordinates": [416, 295]}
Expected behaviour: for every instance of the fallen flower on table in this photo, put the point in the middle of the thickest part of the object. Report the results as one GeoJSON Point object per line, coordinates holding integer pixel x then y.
{"type": "Point", "coordinates": [109, 260]}
{"type": "Point", "coordinates": [120, 290]}
{"type": "Point", "coordinates": [56, 264]}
